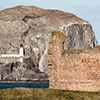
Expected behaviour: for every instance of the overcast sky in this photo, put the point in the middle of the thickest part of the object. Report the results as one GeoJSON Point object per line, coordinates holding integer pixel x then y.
{"type": "Point", "coordinates": [88, 10]}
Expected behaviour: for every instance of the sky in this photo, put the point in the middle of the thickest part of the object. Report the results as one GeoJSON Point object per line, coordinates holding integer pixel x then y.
{"type": "Point", "coordinates": [88, 10]}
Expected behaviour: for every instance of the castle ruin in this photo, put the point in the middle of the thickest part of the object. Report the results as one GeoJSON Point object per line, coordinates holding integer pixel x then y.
{"type": "Point", "coordinates": [77, 70]}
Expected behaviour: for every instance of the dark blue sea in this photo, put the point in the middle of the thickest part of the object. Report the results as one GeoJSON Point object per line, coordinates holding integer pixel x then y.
{"type": "Point", "coordinates": [26, 85]}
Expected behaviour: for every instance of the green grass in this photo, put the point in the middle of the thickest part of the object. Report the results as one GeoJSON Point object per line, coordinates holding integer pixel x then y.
{"type": "Point", "coordinates": [46, 94]}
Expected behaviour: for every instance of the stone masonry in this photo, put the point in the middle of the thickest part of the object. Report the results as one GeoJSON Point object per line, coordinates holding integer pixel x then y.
{"type": "Point", "coordinates": [73, 69]}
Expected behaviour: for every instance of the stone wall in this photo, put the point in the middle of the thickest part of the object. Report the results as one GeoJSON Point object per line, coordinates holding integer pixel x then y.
{"type": "Point", "coordinates": [73, 69]}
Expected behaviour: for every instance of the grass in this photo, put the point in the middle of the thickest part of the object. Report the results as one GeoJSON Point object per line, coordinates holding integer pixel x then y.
{"type": "Point", "coordinates": [61, 35]}
{"type": "Point", "coordinates": [76, 51]}
{"type": "Point", "coordinates": [46, 94]}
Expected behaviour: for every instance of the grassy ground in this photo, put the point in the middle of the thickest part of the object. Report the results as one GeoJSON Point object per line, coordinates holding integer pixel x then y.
{"type": "Point", "coordinates": [46, 94]}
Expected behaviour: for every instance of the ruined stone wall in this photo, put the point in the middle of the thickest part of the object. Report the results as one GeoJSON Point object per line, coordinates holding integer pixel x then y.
{"type": "Point", "coordinates": [73, 69]}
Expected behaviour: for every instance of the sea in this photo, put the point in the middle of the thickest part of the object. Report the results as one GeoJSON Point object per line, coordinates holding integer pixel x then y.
{"type": "Point", "coordinates": [25, 85]}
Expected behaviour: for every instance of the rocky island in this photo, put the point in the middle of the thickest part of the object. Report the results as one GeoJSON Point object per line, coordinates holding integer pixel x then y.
{"type": "Point", "coordinates": [32, 27]}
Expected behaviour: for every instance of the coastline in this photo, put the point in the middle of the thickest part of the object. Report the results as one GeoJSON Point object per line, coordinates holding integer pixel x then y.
{"type": "Point", "coordinates": [27, 81]}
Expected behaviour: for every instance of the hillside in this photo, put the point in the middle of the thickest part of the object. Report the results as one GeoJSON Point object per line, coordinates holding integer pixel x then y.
{"type": "Point", "coordinates": [46, 94]}
{"type": "Point", "coordinates": [32, 27]}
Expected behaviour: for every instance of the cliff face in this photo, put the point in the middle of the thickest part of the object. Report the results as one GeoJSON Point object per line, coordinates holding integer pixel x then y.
{"type": "Point", "coordinates": [32, 27]}
{"type": "Point", "coordinates": [77, 70]}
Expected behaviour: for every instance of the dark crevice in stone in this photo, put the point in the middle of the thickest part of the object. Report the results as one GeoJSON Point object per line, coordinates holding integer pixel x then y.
{"type": "Point", "coordinates": [31, 16]}
{"type": "Point", "coordinates": [25, 34]}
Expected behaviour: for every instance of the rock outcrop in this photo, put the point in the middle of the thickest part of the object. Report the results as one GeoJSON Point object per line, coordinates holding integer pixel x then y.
{"type": "Point", "coordinates": [32, 27]}
{"type": "Point", "coordinates": [23, 72]}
